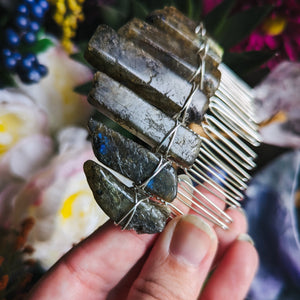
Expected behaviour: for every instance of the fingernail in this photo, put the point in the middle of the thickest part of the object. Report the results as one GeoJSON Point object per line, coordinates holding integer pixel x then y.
{"type": "Point", "coordinates": [185, 181]}
{"type": "Point", "coordinates": [184, 177]}
{"type": "Point", "coordinates": [246, 238]}
{"type": "Point", "coordinates": [191, 240]}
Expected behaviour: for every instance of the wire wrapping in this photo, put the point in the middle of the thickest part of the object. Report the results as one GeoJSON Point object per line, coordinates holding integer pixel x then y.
{"type": "Point", "coordinates": [180, 117]}
{"type": "Point", "coordinates": [132, 211]}
{"type": "Point", "coordinates": [141, 186]}
{"type": "Point", "coordinates": [197, 81]}
{"type": "Point", "coordinates": [159, 167]}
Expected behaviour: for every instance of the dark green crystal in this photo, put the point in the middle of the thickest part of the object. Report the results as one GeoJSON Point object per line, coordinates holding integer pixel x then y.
{"type": "Point", "coordinates": [116, 200]}
{"type": "Point", "coordinates": [133, 161]}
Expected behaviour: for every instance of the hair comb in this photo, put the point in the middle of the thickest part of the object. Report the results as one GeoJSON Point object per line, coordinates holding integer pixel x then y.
{"type": "Point", "coordinates": [164, 81]}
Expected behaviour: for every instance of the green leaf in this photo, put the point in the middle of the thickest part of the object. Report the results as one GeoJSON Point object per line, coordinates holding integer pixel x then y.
{"type": "Point", "coordinates": [246, 62]}
{"type": "Point", "coordinates": [215, 20]}
{"type": "Point", "coordinates": [123, 6]}
{"type": "Point", "coordinates": [42, 45]}
{"type": "Point", "coordinates": [3, 20]}
{"type": "Point", "coordinates": [38, 47]}
{"type": "Point", "coordinates": [6, 79]}
{"type": "Point", "coordinates": [112, 16]}
{"type": "Point", "coordinates": [194, 9]}
{"type": "Point", "coordinates": [139, 9]}
{"type": "Point", "coordinates": [240, 25]}
{"type": "Point", "coordinates": [190, 8]}
{"type": "Point", "coordinates": [79, 57]}
{"type": "Point", "coordinates": [84, 88]}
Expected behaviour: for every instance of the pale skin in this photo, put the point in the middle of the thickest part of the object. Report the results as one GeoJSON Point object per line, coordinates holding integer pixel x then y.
{"type": "Point", "coordinates": [116, 264]}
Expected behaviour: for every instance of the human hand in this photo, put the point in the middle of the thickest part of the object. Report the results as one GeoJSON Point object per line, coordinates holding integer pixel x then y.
{"type": "Point", "coordinates": [115, 264]}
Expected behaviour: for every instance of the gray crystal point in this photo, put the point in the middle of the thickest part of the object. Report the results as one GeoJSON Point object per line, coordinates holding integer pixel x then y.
{"type": "Point", "coordinates": [146, 76]}
{"type": "Point", "coordinates": [144, 120]}
{"type": "Point", "coordinates": [133, 161]}
{"type": "Point", "coordinates": [116, 200]}
{"type": "Point", "coordinates": [176, 24]}
{"type": "Point", "coordinates": [169, 49]}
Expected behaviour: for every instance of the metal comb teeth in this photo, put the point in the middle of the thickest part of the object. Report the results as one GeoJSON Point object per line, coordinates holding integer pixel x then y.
{"type": "Point", "coordinates": [157, 79]}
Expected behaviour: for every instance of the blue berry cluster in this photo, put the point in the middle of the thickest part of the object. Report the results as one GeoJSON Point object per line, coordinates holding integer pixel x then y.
{"type": "Point", "coordinates": [23, 32]}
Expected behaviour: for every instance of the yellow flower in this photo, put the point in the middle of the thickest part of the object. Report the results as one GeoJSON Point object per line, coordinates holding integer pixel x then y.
{"type": "Point", "coordinates": [67, 15]}
{"type": "Point", "coordinates": [274, 25]}
{"type": "Point", "coordinates": [61, 7]}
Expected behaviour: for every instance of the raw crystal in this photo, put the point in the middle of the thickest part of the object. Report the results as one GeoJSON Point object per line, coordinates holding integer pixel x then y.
{"type": "Point", "coordinates": [180, 27]}
{"type": "Point", "coordinates": [148, 77]}
{"type": "Point", "coordinates": [117, 200]}
{"type": "Point", "coordinates": [144, 120]}
{"type": "Point", "coordinates": [169, 50]}
{"type": "Point", "coordinates": [133, 161]}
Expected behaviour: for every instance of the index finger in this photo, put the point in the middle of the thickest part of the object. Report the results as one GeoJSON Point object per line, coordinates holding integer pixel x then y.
{"type": "Point", "coordinates": [94, 266]}
{"type": "Point", "coordinates": [91, 270]}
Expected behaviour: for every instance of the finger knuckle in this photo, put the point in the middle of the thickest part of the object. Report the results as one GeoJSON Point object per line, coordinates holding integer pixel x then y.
{"type": "Point", "coordinates": [151, 289]}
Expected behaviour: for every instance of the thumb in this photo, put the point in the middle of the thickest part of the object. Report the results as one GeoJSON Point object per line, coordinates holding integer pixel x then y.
{"type": "Point", "coordinates": [179, 261]}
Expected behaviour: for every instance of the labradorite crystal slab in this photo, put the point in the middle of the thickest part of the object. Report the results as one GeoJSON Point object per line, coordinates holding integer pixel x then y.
{"type": "Point", "coordinates": [116, 200]}
{"type": "Point", "coordinates": [176, 24]}
{"type": "Point", "coordinates": [166, 48]}
{"type": "Point", "coordinates": [144, 120]}
{"type": "Point", "coordinates": [132, 161]}
{"type": "Point", "coordinates": [148, 77]}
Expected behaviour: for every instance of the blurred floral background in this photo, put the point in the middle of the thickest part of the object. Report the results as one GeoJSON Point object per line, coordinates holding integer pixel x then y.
{"type": "Point", "coordinates": [46, 205]}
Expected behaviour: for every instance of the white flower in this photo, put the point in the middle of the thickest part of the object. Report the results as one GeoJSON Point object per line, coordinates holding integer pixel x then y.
{"type": "Point", "coordinates": [60, 201]}
{"type": "Point", "coordinates": [54, 93]}
{"type": "Point", "coordinates": [26, 157]}
{"type": "Point", "coordinates": [19, 117]}
{"type": "Point", "coordinates": [24, 146]}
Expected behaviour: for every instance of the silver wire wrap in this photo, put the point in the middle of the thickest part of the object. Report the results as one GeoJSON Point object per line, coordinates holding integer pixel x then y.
{"type": "Point", "coordinates": [197, 82]}
{"type": "Point", "coordinates": [180, 119]}
{"type": "Point", "coordinates": [159, 167]}
{"type": "Point", "coordinates": [201, 53]}
{"type": "Point", "coordinates": [171, 133]}
{"type": "Point", "coordinates": [132, 211]}
{"type": "Point", "coordinates": [209, 150]}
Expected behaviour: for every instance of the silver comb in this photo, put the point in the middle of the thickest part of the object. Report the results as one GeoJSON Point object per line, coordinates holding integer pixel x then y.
{"type": "Point", "coordinates": [159, 80]}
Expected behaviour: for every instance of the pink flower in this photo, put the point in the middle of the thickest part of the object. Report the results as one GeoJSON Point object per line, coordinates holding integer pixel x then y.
{"type": "Point", "coordinates": [280, 31]}
{"type": "Point", "coordinates": [208, 5]}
